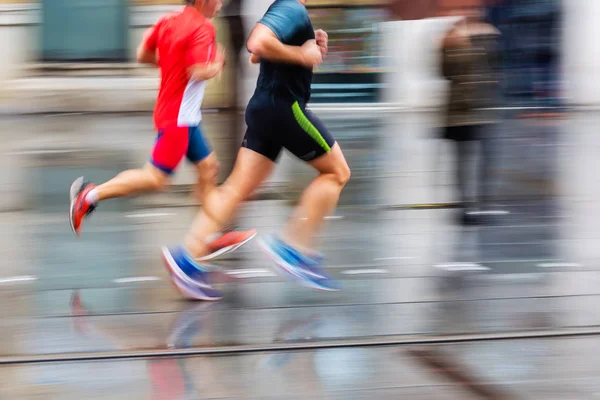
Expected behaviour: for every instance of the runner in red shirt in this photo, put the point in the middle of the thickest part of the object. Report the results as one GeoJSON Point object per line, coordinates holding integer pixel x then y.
{"type": "Point", "coordinates": [183, 45]}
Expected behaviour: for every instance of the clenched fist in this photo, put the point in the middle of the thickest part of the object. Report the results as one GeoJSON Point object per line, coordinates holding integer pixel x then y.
{"type": "Point", "coordinates": [322, 41]}
{"type": "Point", "coordinates": [311, 54]}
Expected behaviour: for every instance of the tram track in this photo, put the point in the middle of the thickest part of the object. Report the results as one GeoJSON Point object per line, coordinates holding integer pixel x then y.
{"type": "Point", "coordinates": [365, 342]}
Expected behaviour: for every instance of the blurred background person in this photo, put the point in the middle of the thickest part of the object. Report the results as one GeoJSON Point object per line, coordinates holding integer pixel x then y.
{"type": "Point", "coordinates": [469, 62]}
{"type": "Point", "coordinates": [232, 13]}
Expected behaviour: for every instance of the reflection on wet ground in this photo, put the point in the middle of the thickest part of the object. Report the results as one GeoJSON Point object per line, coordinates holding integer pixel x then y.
{"type": "Point", "coordinates": [529, 369]}
{"type": "Point", "coordinates": [409, 272]}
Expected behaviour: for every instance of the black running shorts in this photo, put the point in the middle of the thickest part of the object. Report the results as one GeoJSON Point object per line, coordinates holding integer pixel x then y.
{"type": "Point", "coordinates": [277, 122]}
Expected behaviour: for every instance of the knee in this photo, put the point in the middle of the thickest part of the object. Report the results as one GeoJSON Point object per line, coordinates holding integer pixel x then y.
{"type": "Point", "coordinates": [237, 188]}
{"type": "Point", "coordinates": [342, 174]}
{"type": "Point", "coordinates": [159, 182]}
{"type": "Point", "coordinates": [156, 179]}
{"type": "Point", "coordinates": [209, 170]}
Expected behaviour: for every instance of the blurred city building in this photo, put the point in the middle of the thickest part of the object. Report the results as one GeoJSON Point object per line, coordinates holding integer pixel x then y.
{"type": "Point", "coordinates": [547, 54]}
{"type": "Point", "coordinates": [93, 44]}
{"type": "Point", "coordinates": [78, 56]}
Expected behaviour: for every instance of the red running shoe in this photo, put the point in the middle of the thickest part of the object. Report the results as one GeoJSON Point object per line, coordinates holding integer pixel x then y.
{"type": "Point", "coordinates": [80, 207]}
{"type": "Point", "coordinates": [228, 242]}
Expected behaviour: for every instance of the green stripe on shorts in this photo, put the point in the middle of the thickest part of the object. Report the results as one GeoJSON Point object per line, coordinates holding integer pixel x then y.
{"type": "Point", "coordinates": [308, 127]}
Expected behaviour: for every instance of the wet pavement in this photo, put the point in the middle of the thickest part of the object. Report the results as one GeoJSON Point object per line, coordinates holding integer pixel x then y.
{"type": "Point", "coordinates": [533, 369]}
{"type": "Point", "coordinates": [411, 275]}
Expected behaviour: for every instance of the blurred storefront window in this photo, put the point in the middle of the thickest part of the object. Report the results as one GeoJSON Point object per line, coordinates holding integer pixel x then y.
{"type": "Point", "coordinates": [531, 36]}
{"type": "Point", "coordinates": [353, 38]}
{"type": "Point", "coordinates": [353, 66]}
{"type": "Point", "coordinates": [99, 31]}
{"type": "Point", "coordinates": [84, 30]}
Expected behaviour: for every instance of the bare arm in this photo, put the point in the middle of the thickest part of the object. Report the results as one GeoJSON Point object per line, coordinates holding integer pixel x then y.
{"type": "Point", "coordinates": [145, 56]}
{"type": "Point", "coordinates": [263, 43]}
{"type": "Point", "coordinates": [204, 72]}
{"type": "Point", "coordinates": [146, 51]}
{"type": "Point", "coordinates": [200, 67]}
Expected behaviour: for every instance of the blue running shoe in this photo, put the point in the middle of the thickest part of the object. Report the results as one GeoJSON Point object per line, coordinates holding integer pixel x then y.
{"type": "Point", "coordinates": [306, 271]}
{"type": "Point", "coordinates": [187, 276]}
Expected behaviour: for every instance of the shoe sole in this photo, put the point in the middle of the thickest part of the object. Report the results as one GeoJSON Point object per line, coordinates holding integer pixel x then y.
{"type": "Point", "coordinates": [186, 291]}
{"type": "Point", "coordinates": [73, 193]}
{"type": "Point", "coordinates": [226, 250]}
{"type": "Point", "coordinates": [180, 280]}
{"type": "Point", "coordinates": [287, 268]}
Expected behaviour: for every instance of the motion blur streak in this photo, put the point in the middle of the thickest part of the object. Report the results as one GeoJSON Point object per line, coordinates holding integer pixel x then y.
{"type": "Point", "coordinates": [465, 240]}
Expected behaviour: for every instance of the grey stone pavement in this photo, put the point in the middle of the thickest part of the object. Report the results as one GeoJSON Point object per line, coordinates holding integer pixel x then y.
{"type": "Point", "coordinates": [457, 308]}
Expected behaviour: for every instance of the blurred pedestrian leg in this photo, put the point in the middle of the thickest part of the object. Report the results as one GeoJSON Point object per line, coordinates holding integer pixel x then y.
{"type": "Point", "coordinates": [232, 12]}
{"type": "Point", "coordinates": [469, 62]}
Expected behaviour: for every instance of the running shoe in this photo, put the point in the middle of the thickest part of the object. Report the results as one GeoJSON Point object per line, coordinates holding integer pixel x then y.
{"type": "Point", "coordinates": [80, 207]}
{"type": "Point", "coordinates": [190, 278]}
{"type": "Point", "coordinates": [227, 243]}
{"type": "Point", "coordinates": [302, 269]}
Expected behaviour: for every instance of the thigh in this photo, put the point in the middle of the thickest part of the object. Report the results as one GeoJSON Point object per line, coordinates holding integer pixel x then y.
{"type": "Point", "coordinates": [169, 149]}
{"type": "Point", "coordinates": [208, 168]}
{"type": "Point", "coordinates": [261, 124]}
{"type": "Point", "coordinates": [303, 134]}
{"type": "Point", "coordinates": [198, 146]}
{"type": "Point", "coordinates": [332, 162]}
{"type": "Point", "coordinates": [250, 170]}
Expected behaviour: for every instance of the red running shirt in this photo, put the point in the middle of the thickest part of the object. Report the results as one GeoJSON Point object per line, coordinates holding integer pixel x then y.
{"type": "Point", "coordinates": [181, 39]}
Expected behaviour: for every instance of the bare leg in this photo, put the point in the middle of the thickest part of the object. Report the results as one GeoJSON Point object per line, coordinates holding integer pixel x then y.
{"type": "Point", "coordinates": [133, 181]}
{"type": "Point", "coordinates": [207, 170]}
{"type": "Point", "coordinates": [319, 198]}
{"type": "Point", "coordinates": [220, 204]}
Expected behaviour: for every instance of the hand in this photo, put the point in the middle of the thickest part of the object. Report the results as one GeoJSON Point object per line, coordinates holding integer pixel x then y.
{"type": "Point", "coordinates": [311, 54]}
{"type": "Point", "coordinates": [254, 59]}
{"type": "Point", "coordinates": [221, 55]}
{"type": "Point", "coordinates": [220, 59]}
{"type": "Point", "coordinates": [322, 39]}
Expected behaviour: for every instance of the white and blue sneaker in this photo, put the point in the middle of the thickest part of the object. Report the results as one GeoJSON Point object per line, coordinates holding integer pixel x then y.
{"type": "Point", "coordinates": [305, 270]}
{"type": "Point", "coordinates": [189, 277]}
